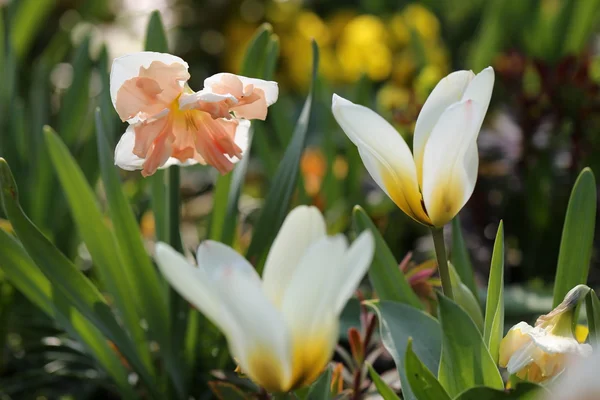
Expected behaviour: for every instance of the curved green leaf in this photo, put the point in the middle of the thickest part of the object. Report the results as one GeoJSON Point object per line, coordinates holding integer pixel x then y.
{"type": "Point", "coordinates": [465, 361]}
{"type": "Point", "coordinates": [523, 391]}
{"type": "Point", "coordinates": [494, 308]}
{"type": "Point", "coordinates": [465, 298]}
{"type": "Point", "coordinates": [384, 390]}
{"type": "Point", "coordinates": [577, 236]}
{"type": "Point", "coordinates": [423, 383]}
{"type": "Point", "coordinates": [278, 199]}
{"type": "Point", "coordinates": [385, 275]}
{"type": "Point", "coordinates": [592, 307]}
{"type": "Point", "coordinates": [397, 323]}
{"type": "Point", "coordinates": [321, 389]}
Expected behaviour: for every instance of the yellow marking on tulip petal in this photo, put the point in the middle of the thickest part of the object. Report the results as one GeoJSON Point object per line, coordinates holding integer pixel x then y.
{"type": "Point", "coordinates": [264, 368]}
{"type": "Point", "coordinates": [446, 200]}
{"type": "Point", "coordinates": [310, 357]}
{"type": "Point", "coordinates": [405, 196]}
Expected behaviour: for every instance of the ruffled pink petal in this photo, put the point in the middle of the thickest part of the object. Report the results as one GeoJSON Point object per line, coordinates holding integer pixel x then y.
{"type": "Point", "coordinates": [147, 131]}
{"type": "Point", "coordinates": [215, 143]}
{"type": "Point", "coordinates": [159, 154]}
{"type": "Point", "coordinates": [252, 103]}
{"type": "Point", "coordinates": [152, 91]}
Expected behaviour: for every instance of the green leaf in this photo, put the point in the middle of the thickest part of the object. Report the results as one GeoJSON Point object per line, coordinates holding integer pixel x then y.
{"type": "Point", "coordinates": [156, 37]}
{"type": "Point", "coordinates": [99, 240]}
{"type": "Point", "coordinates": [227, 391]}
{"type": "Point", "coordinates": [384, 390]}
{"type": "Point", "coordinates": [523, 391]}
{"type": "Point", "coordinates": [321, 389]}
{"type": "Point", "coordinates": [277, 201]}
{"type": "Point", "coordinates": [460, 257]}
{"type": "Point", "coordinates": [74, 115]}
{"type": "Point", "coordinates": [583, 20]}
{"type": "Point", "coordinates": [465, 361]}
{"type": "Point", "coordinates": [494, 308]}
{"type": "Point", "coordinates": [385, 275]}
{"type": "Point", "coordinates": [26, 22]}
{"type": "Point", "coordinates": [423, 383]}
{"type": "Point", "coordinates": [397, 323]}
{"type": "Point", "coordinates": [464, 298]}
{"type": "Point", "coordinates": [592, 306]}
{"type": "Point", "coordinates": [20, 270]}
{"type": "Point", "coordinates": [74, 286]}
{"type": "Point", "coordinates": [577, 236]}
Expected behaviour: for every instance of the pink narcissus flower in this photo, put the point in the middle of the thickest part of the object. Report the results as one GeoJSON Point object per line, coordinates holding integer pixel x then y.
{"type": "Point", "coordinates": [172, 124]}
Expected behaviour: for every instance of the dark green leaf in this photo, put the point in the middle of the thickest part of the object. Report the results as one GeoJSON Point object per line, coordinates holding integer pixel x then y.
{"type": "Point", "coordinates": [577, 237]}
{"type": "Point", "coordinates": [423, 383]}
{"type": "Point", "coordinates": [465, 361]}
{"type": "Point", "coordinates": [277, 201]}
{"type": "Point", "coordinates": [385, 275]}
{"type": "Point", "coordinates": [27, 21]}
{"type": "Point", "coordinates": [523, 391]}
{"type": "Point", "coordinates": [398, 322]}
{"type": "Point", "coordinates": [321, 389]}
{"type": "Point", "coordinates": [592, 305]}
{"type": "Point", "coordinates": [384, 390]}
{"type": "Point", "coordinates": [464, 298]}
{"type": "Point", "coordinates": [460, 257]}
{"type": "Point", "coordinates": [156, 38]}
{"type": "Point", "coordinates": [494, 308]}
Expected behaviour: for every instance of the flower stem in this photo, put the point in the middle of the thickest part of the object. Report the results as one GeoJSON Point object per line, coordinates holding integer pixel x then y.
{"type": "Point", "coordinates": [440, 252]}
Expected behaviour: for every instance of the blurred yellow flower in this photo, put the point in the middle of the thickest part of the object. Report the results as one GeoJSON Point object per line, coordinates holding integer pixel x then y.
{"type": "Point", "coordinates": [422, 20]}
{"type": "Point", "coordinates": [391, 97]}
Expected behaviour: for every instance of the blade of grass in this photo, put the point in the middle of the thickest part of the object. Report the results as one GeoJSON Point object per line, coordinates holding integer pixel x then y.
{"type": "Point", "coordinates": [494, 308]}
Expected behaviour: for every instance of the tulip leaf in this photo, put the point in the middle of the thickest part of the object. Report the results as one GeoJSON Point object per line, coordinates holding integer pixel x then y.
{"type": "Point", "coordinates": [465, 298]}
{"type": "Point", "coordinates": [460, 257]}
{"type": "Point", "coordinates": [279, 197]}
{"type": "Point", "coordinates": [26, 277]}
{"type": "Point", "coordinates": [321, 389]}
{"type": "Point", "coordinates": [27, 21]}
{"type": "Point", "coordinates": [582, 21]}
{"type": "Point", "coordinates": [385, 275]}
{"type": "Point", "coordinates": [577, 236]}
{"type": "Point", "coordinates": [64, 275]}
{"type": "Point", "coordinates": [223, 219]}
{"type": "Point", "coordinates": [397, 323]}
{"type": "Point", "coordinates": [523, 391]}
{"type": "Point", "coordinates": [494, 308]}
{"type": "Point", "coordinates": [592, 305]}
{"type": "Point", "coordinates": [423, 382]}
{"type": "Point", "coordinates": [386, 392]}
{"type": "Point", "coordinates": [465, 361]}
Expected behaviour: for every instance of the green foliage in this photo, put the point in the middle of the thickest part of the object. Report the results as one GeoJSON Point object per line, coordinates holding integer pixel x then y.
{"type": "Point", "coordinates": [494, 308]}
{"type": "Point", "coordinates": [577, 237]}
{"type": "Point", "coordinates": [592, 306]}
{"type": "Point", "coordinates": [465, 298]}
{"type": "Point", "coordinates": [523, 391]}
{"type": "Point", "coordinates": [384, 390]}
{"type": "Point", "coordinates": [400, 322]}
{"type": "Point", "coordinates": [460, 257]}
{"type": "Point", "coordinates": [423, 383]}
{"type": "Point", "coordinates": [320, 390]}
{"type": "Point", "coordinates": [385, 275]}
{"type": "Point", "coordinates": [465, 361]}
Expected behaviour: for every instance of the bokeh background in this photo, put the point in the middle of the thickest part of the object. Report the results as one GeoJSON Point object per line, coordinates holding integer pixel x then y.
{"type": "Point", "coordinates": [543, 126]}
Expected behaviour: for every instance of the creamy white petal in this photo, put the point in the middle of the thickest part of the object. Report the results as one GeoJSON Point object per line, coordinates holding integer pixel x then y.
{"type": "Point", "coordinates": [480, 90]}
{"type": "Point", "coordinates": [270, 88]}
{"type": "Point", "coordinates": [212, 255]}
{"type": "Point", "coordinates": [385, 154]}
{"type": "Point", "coordinates": [128, 67]}
{"type": "Point", "coordinates": [578, 381]}
{"type": "Point", "coordinates": [307, 301]}
{"type": "Point", "coordinates": [125, 159]}
{"type": "Point", "coordinates": [354, 265]}
{"type": "Point", "coordinates": [448, 162]}
{"type": "Point", "coordinates": [195, 286]}
{"type": "Point", "coordinates": [242, 138]}
{"type": "Point", "coordinates": [448, 91]}
{"type": "Point", "coordinates": [302, 227]}
{"type": "Point", "coordinates": [558, 344]}
{"type": "Point", "coordinates": [187, 101]}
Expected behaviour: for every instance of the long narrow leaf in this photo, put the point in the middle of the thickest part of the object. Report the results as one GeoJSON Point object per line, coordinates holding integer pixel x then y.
{"type": "Point", "coordinates": [386, 392]}
{"type": "Point", "coordinates": [577, 236]}
{"type": "Point", "coordinates": [75, 287]}
{"type": "Point", "coordinates": [20, 270]}
{"type": "Point", "coordinates": [385, 275]}
{"type": "Point", "coordinates": [460, 257]}
{"type": "Point", "coordinates": [279, 197]}
{"type": "Point", "coordinates": [494, 308]}
{"type": "Point", "coordinates": [592, 306]}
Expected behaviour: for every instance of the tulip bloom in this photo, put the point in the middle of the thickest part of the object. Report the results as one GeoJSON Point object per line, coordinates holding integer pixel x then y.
{"type": "Point", "coordinates": [171, 124]}
{"type": "Point", "coordinates": [578, 382]}
{"type": "Point", "coordinates": [435, 184]}
{"type": "Point", "coordinates": [537, 353]}
{"type": "Point", "coordinates": [282, 329]}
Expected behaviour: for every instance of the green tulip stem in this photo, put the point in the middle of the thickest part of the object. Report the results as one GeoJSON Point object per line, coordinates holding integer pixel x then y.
{"type": "Point", "coordinates": [440, 252]}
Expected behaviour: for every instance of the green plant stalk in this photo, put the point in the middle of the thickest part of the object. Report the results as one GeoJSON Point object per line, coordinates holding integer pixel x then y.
{"type": "Point", "coordinates": [440, 253]}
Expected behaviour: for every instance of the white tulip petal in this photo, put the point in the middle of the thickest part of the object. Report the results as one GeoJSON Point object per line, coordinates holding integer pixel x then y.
{"type": "Point", "coordinates": [125, 159]}
{"type": "Point", "coordinates": [578, 381]}
{"type": "Point", "coordinates": [385, 154]}
{"type": "Point", "coordinates": [355, 264]}
{"type": "Point", "coordinates": [194, 285]}
{"type": "Point", "coordinates": [448, 91]}
{"type": "Point", "coordinates": [212, 255]}
{"type": "Point", "coordinates": [302, 227]}
{"type": "Point", "coordinates": [128, 67]}
{"type": "Point", "coordinates": [559, 344]}
{"type": "Point", "coordinates": [270, 88]}
{"type": "Point", "coordinates": [449, 160]}
{"type": "Point", "coordinates": [480, 91]}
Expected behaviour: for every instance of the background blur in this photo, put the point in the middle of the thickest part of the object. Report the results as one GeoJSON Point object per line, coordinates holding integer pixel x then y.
{"type": "Point", "coordinates": [543, 126]}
